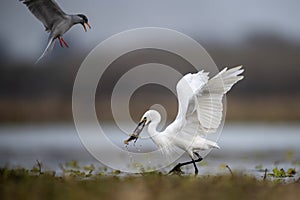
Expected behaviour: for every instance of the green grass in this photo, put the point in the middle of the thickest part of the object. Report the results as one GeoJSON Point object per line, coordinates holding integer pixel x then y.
{"type": "Point", "coordinates": [36, 184]}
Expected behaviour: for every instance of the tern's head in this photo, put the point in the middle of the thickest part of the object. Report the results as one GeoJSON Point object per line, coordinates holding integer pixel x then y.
{"type": "Point", "coordinates": [84, 21]}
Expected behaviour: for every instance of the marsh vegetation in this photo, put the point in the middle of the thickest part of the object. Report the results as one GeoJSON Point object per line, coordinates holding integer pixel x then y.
{"type": "Point", "coordinates": [90, 182]}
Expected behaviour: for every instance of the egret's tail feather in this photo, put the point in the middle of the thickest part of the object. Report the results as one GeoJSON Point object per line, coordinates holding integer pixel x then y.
{"type": "Point", "coordinates": [202, 143]}
{"type": "Point", "coordinates": [213, 145]}
{"type": "Point", "coordinates": [210, 144]}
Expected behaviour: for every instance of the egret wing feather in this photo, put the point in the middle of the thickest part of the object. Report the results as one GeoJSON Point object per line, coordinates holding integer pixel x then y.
{"type": "Point", "coordinates": [47, 11]}
{"type": "Point", "coordinates": [187, 88]}
{"type": "Point", "coordinates": [203, 108]}
{"type": "Point", "coordinates": [196, 81]}
{"type": "Point", "coordinates": [209, 100]}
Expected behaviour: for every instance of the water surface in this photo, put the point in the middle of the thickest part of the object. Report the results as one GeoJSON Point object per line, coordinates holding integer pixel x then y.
{"type": "Point", "coordinates": [243, 147]}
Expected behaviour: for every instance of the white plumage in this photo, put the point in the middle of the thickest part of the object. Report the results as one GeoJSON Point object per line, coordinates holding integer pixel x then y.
{"type": "Point", "coordinates": [200, 111]}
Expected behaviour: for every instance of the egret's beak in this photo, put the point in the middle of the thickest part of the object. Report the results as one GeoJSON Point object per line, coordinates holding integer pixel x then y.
{"type": "Point", "coordinates": [136, 132]}
{"type": "Point", "coordinates": [85, 30]}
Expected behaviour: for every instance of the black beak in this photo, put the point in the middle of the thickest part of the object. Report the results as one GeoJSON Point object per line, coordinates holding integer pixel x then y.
{"type": "Point", "coordinates": [86, 23]}
{"type": "Point", "coordinates": [136, 132]}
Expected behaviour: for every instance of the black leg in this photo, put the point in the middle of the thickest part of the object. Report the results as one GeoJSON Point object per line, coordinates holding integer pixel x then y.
{"type": "Point", "coordinates": [194, 162]}
{"type": "Point", "coordinates": [195, 166]}
{"type": "Point", "coordinates": [179, 165]}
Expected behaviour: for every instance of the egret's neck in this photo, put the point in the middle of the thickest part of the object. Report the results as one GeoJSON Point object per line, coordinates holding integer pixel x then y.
{"type": "Point", "coordinates": [161, 139]}
{"type": "Point", "coordinates": [152, 129]}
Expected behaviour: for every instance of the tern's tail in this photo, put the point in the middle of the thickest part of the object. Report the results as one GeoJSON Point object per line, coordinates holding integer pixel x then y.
{"type": "Point", "coordinates": [48, 49]}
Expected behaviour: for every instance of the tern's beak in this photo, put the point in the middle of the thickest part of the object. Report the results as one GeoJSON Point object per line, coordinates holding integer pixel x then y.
{"type": "Point", "coordinates": [88, 25]}
{"type": "Point", "coordinates": [136, 132]}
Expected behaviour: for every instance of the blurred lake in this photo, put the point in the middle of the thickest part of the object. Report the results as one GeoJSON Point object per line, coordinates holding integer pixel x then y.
{"type": "Point", "coordinates": [243, 146]}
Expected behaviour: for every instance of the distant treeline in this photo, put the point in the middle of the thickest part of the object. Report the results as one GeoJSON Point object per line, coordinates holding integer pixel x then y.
{"type": "Point", "coordinates": [272, 66]}
{"type": "Point", "coordinates": [271, 63]}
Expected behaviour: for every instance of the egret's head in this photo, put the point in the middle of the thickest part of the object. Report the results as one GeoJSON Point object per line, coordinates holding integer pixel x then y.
{"type": "Point", "coordinates": [84, 21]}
{"type": "Point", "coordinates": [147, 118]}
{"type": "Point", "coordinates": [150, 116]}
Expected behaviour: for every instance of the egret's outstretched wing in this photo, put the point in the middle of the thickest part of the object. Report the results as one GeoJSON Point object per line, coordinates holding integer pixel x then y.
{"type": "Point", "coordinates": [187, 88]}
{"type": "Point", "coordinates": [47, 11]}
{"type": "Point", "coordinates": [203, 107]}
{"type": "Point", "coordinates": [209, 101]}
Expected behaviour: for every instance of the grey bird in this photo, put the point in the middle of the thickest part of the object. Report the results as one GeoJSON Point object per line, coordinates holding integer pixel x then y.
{"type": "Point", "coordinates": [55, 20]}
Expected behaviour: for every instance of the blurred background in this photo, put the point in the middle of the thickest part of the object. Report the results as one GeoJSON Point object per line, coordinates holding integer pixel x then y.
{"type": "Point", "coordinates": [263, 36]}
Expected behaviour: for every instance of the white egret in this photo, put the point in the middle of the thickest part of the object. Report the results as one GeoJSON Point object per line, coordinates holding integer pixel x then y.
{"type": "Point", "coordinates": [55, 20]}
{"type": "Point", "coordinates": [199, 113]}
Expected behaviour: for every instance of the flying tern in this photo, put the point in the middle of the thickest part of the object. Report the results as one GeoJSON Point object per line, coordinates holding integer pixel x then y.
{"type": "Point", "coordinates": [55, 20]}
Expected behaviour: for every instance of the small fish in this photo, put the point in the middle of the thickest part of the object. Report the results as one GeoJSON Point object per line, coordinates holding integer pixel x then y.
{"type": "Point", "coordinates": [136, 132]}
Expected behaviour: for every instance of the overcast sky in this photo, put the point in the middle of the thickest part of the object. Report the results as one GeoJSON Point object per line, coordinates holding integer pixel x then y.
{"type": "Point", "coordinates": [226, 21]}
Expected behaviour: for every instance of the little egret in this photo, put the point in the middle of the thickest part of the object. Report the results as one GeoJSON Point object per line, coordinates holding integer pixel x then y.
{"type": "Point", "coordinates": [199, 113]}
{"type": "Point", "coordinates": [55, 20]}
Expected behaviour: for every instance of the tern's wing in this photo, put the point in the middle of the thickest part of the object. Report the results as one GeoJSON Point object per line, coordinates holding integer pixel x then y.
{"type": "Point", "coordinates": [48, 49]}
{"type": "Point", "coordinates": [204, 111]}
{"type": "Point", "coordinates": [47, 11]}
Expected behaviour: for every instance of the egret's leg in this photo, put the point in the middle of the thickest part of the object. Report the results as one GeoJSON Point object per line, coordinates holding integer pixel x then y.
{"type": "Point", "coordinates": [195, 166]}
{"type": "Point", "coordinates": [179, 165]}
{"type": "Point", "coordinates": [198, 160]}
{"type": "Point", "coordinates": [199, 157]}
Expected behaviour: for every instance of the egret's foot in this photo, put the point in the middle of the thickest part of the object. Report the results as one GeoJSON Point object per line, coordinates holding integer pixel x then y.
{"type": "Point", "coordinates": [196, 172]}
{"type": "Point", "coordinates": [177, 170]}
